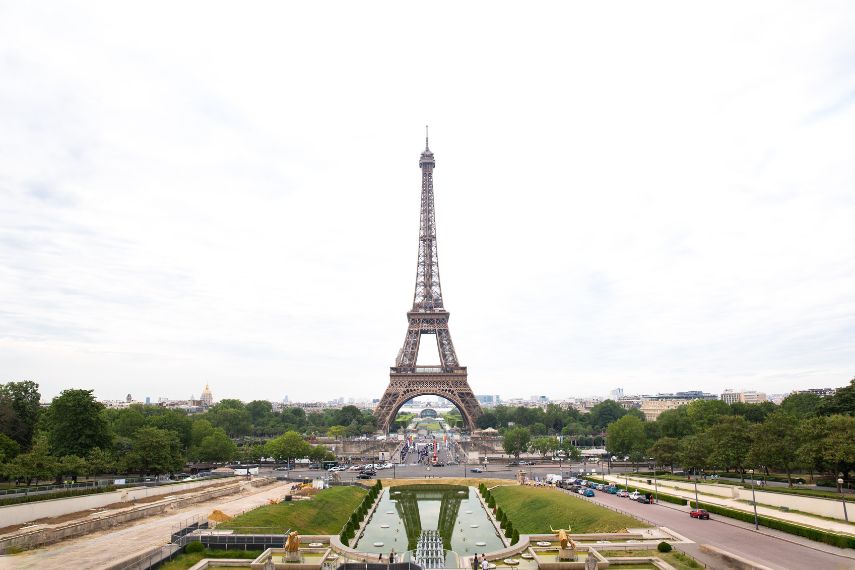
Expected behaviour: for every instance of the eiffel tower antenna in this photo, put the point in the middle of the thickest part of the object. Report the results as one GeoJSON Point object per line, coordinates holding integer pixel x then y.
{"type": "Point", "coordinates": [448, 379]}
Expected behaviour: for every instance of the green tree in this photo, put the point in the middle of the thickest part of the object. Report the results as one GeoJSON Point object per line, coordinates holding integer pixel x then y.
{"type": "Point", "coordinates": [201, 429]}
{"type": "Point", "coordinates": [774, 443]}
{"type": "Point", "coordinates": [232, 416]}
{"type": "Point", "coordinates": [838, 445]}
{"type": "Point", "coordinates": [21, 400]}
{"type": "Point", "coordinates": [544, 445]}
{"type": "Point", "coordinates": [175, 421]}
{"type": "Point", "coordinates": [704, 413]}
{"type": "Point", "coordinates": [9, 448]}
{"type": "Point", "coordinates": [842, 402]}
{"type": "Point", "coordinates": [336, 432]}
{"type": "Point", "coordinates": [288, 446]}
{"type": "Point", "coordinates": [605, 413]}
{"type": "Point", "coordinates": [155, 451]}
{"type": "Point", "coordinates": [730, 440]}
{"type": "Point", "coordinates": [75, 423]}
{"type": "Point", "coordinates": [101, 461]}
{"type": "Point", "coordinates": [664, 451]}
{"type": "Point", "coordinates": [35, 465]}
{"type": "Point", "coordinates": [216, 447]}
{"type": "Point", "coordinates": [675, 423]}
{"type": "Point", "coordinates": [812, 432]}
{"type": "Point", "coordinates": [801, 404]}
{"type": "Point", "coordinates": [626, 436]}
{"type": "Point", "coordinates": [515, 441]}
{"type": "Point", "coordinates": [487, 420]}
{"type": "Point", "coordinates": [72, 466]}
{"type": "Point", "coordinates": [127, 421]}
{"type": "Point", "coordinates": [693, 452]}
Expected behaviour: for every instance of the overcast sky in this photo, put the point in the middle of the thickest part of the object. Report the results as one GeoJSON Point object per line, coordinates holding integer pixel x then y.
{"type": "Point", "coordinates": [651, 196]}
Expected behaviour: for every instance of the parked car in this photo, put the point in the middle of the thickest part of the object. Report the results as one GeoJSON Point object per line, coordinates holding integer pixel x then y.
{"type": "Point", "coordinates": [365, 475]}
{"type": "Point", "coordinates": [646, 498]}
{"type": "Point", "coordinates": [355, 468]}
{"type": "Point", "coordinates": [634, 495]}
{"type": "Point", "coordinates": [600, 487]}
{"type": "Point", "coordinates": [611, 490]}
{"type": "Point", "coordinates": [476, 470]}
{"type": "Point", "coordinates": [588, 492]}
{"type": "Point", "coordinates": [283, 468]}
{"type": "Point", "coordinates": [699, 514]}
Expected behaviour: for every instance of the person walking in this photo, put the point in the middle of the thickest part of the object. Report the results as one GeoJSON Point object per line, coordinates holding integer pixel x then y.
{"type": "Point", "coordinates": [381, 558]}
{"type": "Point", "coordinates": [475, 565]}
{"type": "Point", "coordinates": [392, 557]}
{"type": "Point", "coordinates": [484, 563]}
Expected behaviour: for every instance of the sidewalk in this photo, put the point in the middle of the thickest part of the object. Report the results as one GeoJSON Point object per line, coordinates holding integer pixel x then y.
{"type": "Point", "coordinates": [797, 518]}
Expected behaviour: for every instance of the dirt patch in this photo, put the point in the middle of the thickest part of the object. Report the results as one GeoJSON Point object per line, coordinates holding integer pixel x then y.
{"type": "Point", "coordinates": [81, 515]}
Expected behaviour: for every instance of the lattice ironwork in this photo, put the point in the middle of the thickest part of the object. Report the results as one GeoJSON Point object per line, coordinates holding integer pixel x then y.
{"type": "Point", "coordinates": [428, 316]}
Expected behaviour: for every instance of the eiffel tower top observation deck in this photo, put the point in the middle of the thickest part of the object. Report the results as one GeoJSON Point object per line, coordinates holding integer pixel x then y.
{"type": "Point", "coordinates": [427, 316]}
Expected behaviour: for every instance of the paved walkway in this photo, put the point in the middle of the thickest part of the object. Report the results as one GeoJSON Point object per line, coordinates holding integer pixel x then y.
{"type": "Point", "coordinates": [103, 548]}
{"type": "Point", "coordinates": [799, 518]}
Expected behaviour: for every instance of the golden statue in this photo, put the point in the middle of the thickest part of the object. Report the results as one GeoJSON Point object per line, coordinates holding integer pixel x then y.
{"type": "Point", "coordinates": [562, 536]}
{"type": "Point", "coordinates": [293, 542]}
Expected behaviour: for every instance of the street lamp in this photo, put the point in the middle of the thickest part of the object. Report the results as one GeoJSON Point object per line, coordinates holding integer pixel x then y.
{"type": "Point", "coordinates": [697, 502]}
{"type": "Point", "coordinates": [754, 500]}
{"type": "Point", "coordinates": [842, 497]}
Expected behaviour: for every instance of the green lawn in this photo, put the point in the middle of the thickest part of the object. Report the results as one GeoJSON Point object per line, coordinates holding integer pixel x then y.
{"type": "Point", "coordinates": [187, 560]}
{"type": "Point", "coordinates": [324, 513]}
{"type": "Point", "coordinates": [534, 510]}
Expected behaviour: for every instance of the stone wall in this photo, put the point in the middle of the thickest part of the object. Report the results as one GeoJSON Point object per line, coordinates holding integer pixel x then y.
{"type": "Point", "coordinates": [26, 512]}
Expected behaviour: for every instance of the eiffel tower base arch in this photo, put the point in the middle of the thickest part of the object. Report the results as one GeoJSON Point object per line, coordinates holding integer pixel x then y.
{"type": "Point", "coordinates": [404, 386]}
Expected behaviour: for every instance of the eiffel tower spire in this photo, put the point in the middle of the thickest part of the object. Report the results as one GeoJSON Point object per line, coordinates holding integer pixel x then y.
{"type": "Point", "coordinates": [427, 316]}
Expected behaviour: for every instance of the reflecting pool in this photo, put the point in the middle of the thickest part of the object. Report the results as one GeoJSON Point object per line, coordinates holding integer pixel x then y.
{"type": "Point", "coordinates": [405, 511]}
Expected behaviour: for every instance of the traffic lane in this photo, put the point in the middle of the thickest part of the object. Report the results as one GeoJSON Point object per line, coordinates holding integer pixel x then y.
{"type": "Point", "coordinates": [744, 541]}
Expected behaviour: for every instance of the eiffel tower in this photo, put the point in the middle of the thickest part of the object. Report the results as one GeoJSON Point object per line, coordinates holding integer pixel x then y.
{"type": "Point", "coordinates": [428, 316]}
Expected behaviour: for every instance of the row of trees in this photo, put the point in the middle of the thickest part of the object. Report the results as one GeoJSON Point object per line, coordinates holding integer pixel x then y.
{"type": "Point", "coordinates": [77, 436]}
{"type": "Point", "coordinates": [805, 433]}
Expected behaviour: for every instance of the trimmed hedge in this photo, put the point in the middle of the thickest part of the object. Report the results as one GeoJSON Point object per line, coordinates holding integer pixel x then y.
{"type": "Point", "coordinates": [515, 538]}
{"type": "Point", "coordinates": [352, 524]}
{"type": "Point", "coordinates": [834, 539]}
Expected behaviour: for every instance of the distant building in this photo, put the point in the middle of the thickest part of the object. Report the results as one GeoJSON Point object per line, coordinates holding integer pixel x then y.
{"type": "Point", "coordinates": [487, 400]}
{"type": "Point", "coordinates": [653, 406]}
{"type": "Point", "coordinates": [629, 402]}
{"type": "Point", "coordinates": [616, 394]}
{"type": "Point", "coordinates": [822, 392]}
{"type": "Point", "coordinates": [207, 398]}
{"type": "Point", "coordinates": [744, 397]}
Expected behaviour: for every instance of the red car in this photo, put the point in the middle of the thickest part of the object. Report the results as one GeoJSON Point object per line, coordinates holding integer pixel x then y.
{"type": "Point", "coordinates": [699, 514]}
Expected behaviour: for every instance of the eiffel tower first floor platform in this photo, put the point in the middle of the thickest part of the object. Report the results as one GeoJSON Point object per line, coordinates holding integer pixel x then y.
{"type": "Point", "coordinates": [406, 384]}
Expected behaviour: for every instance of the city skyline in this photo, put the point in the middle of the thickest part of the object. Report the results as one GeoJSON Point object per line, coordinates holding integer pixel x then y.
{"type": "Point", "coordinates": [669, 210]}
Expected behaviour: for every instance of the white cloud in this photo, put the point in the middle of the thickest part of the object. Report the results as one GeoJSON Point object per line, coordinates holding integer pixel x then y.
{"type": "Point", "coordinates": [657, 199]}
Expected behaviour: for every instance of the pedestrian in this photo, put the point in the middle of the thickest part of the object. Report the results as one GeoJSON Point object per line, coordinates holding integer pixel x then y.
{"type": "Point", "coordinates": [381, 558]}
{"type": "Point", "coordinates": [475, 562]}
{"type": "Point", "coordinates": [484, 564]}
{"type": "Point", "coordinates": [392, 557]}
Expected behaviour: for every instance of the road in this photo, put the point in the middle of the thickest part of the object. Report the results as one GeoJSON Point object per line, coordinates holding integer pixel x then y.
{"type": "Point", "coordinates": [771, 548]}
{"type": "Point", "coordinates": [102, 548]}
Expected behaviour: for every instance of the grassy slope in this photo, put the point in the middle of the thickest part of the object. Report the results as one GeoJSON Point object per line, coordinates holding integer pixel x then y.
{"type": "Point", "coordinates": [533, 509]}
{"type": "Point", "coordinates": [324, 513]}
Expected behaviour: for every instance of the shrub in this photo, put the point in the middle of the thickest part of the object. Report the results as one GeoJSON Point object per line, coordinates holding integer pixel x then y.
{"type": "Point", "coordinates": [663, 547]}
{"type": "Point", "coordinates": [509, 530]}
{"type": "Point", "coordinates": [515, 537]}
{"type": "Point", "coordinates": [194, 546]}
